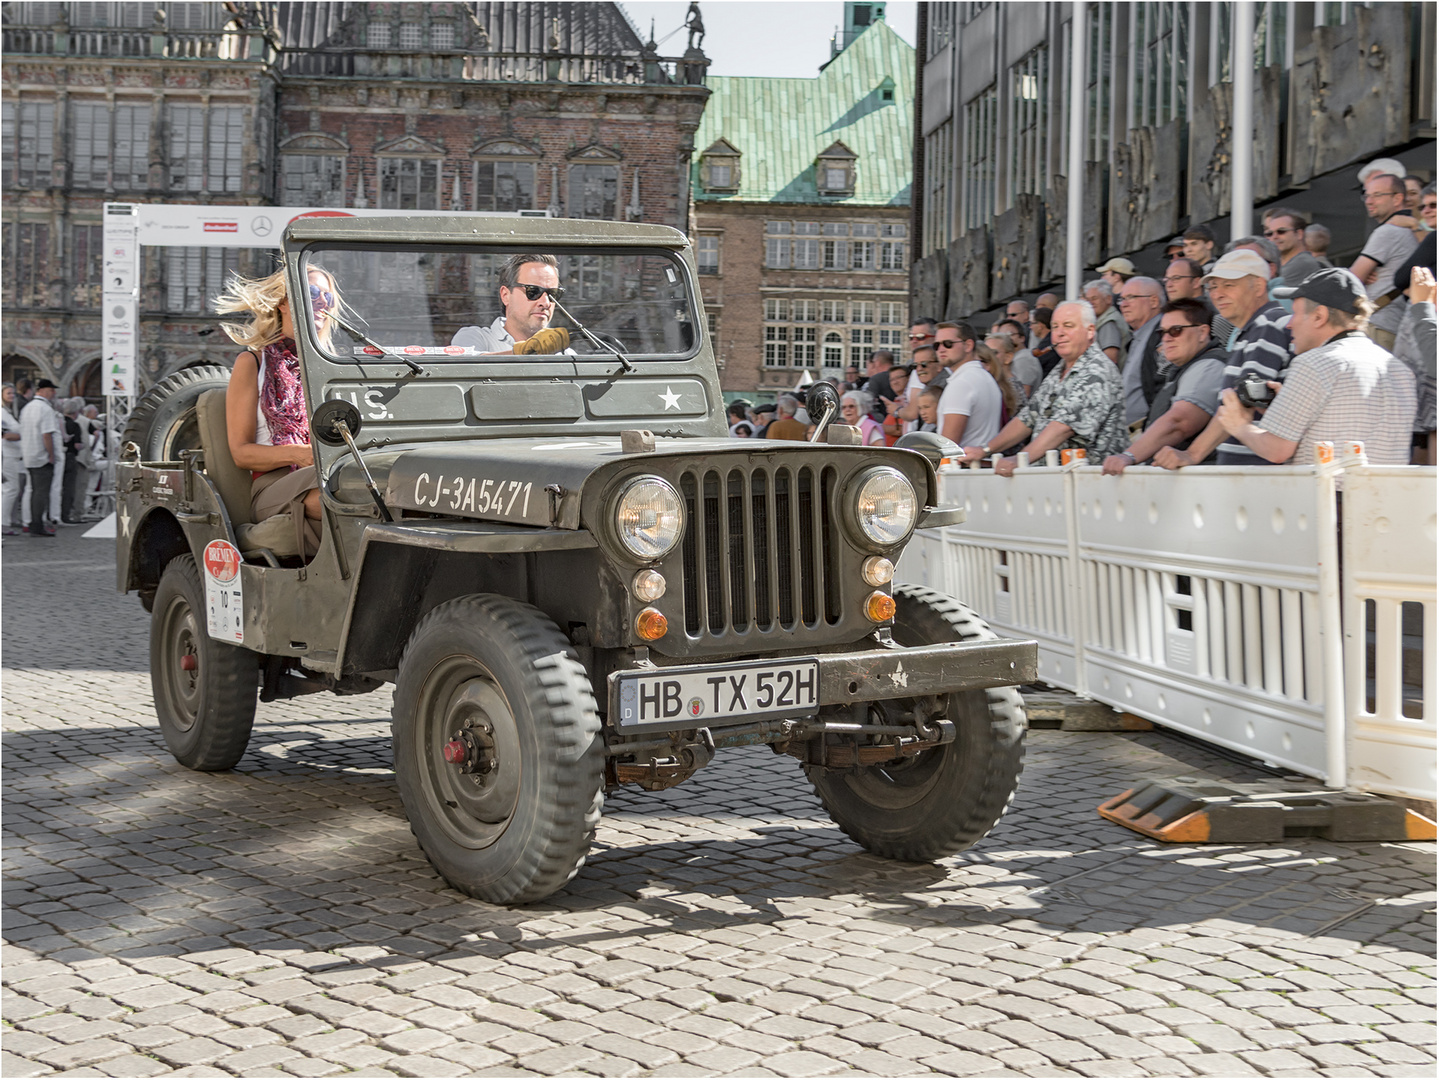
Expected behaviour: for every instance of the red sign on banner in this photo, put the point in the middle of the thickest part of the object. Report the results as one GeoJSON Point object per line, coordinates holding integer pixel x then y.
{"type": "Point", "coordinates": [222, 226]}
{"type": "Point", "coordinates": [222, 561]}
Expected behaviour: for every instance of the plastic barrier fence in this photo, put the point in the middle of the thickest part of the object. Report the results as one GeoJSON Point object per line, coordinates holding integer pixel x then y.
{"type": "Point", "coordinates": [1210, 601]}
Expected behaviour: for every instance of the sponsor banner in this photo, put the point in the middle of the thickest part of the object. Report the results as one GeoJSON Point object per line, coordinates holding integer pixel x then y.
{"type": "Point", "coordinates": [120, 266]}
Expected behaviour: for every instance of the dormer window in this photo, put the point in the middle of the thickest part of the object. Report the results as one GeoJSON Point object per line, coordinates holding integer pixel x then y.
{"type": "Point", "coordinates": [886, 91]}
{"type": "Point", "coordinates": [834, 171]}
{"type": "Point", "coordinates": [719, 168]}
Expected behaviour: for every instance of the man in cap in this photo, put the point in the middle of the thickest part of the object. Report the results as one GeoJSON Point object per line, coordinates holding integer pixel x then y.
{"type": "Point", "coordinates": [1116, 271]}
{"type": "Point", "coordinates": [1239, 290]}
{"type": "Point", "coordinates": [1174, 249]}
{"type": "Point", "coordinates": [1113, 333]}
{"type": "Point", "coordinates": [40, 444]}
{"type": "Point", "coordinates": [786, 426]}
{"type": "Point", "coordinates": [1341, 386]}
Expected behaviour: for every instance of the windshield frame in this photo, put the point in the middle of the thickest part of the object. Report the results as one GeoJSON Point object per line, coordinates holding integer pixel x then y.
{"type": "Point", "coordinates": [315, 250]}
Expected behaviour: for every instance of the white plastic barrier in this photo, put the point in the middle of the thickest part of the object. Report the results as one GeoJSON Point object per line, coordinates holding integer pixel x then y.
{"type": "Point", "coordinates": [1209, 601]}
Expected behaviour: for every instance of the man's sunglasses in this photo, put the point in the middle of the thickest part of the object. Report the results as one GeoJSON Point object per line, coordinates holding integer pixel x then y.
{"type": "Point", "coordinates": [947, 343]}
{"type": "Point", "coordinates": [320, 299]}
{"type": "Point", "coordinates": [1175, 331]}
{"type": "Point", "coordinates": [919, 337]}
{"type": "Point", "coordinates": [534, 292]}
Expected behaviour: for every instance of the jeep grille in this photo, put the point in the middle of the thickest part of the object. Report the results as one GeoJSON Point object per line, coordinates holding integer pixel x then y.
{"type": "Point", "coordinates": [759, 550]}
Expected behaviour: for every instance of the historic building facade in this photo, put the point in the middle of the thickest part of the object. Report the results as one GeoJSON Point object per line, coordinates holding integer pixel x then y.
{"type": "Point", "coordinates": [557, 107]}
{"type": "Point", "coordinates": [1335, 84]}
{"type": "Point", "coordinates": [801, 212]}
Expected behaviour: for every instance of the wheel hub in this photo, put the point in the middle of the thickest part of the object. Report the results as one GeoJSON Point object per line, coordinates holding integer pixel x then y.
{"type": "Point", "coordinates": [474, 750]}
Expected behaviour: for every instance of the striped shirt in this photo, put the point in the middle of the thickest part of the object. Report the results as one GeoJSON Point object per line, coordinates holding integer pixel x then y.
{"type": "Point", "coordinates": [1347, 388]}
{"type": "Point", "coordinates": [1263, 346]}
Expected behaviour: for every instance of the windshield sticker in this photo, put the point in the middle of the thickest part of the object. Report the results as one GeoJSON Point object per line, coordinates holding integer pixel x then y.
{"type": "Point", "coordinates": [422, 350]}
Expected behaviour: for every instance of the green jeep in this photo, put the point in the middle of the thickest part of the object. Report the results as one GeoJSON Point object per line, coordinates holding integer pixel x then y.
{"type": "Point", "coordinates": [574, 579]}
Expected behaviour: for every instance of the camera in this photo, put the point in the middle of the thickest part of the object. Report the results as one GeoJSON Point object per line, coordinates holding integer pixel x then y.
{"type": "Point", "coordinates": [1253, 391]}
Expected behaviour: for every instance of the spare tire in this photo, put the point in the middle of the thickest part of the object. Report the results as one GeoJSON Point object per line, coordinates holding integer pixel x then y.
{"type": "Point", "coordinates": [163, 422]}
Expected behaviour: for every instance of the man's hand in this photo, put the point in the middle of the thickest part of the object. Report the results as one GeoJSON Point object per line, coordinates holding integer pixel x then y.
{"type": "Point", "coordinates": [971, 453]}
{"type": "Point", "coordinates": [1115, 464]}
{"type": "Point", "coordinates": [1170, 458]}
{"type": "Point", "coordinates": [1233, 416]}
{"type": "Point", "coordinates": [555, 339]}
{"type": "Point", "coordinates": [1005, 466]}
{"type": "Point", "coordinates": [1422, 289]}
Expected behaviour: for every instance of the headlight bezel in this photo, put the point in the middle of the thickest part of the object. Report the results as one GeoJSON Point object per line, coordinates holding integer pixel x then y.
{"type": "Point", "coordinates": [852, 518]}
{"type": "Point", "coordinates": [646, 557]}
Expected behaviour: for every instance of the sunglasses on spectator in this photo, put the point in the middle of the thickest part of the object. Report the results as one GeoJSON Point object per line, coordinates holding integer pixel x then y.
{"type": "Point", "coordinates": [947, 343]}
{"type": "Point", "coordinates": [919, 337]}
{"type": "Point", "coordinates": [1175, 331]}
{"type": "Point", "coordinates": [321, 299]}
{"type": "Point", "coordinates": [534, 292]}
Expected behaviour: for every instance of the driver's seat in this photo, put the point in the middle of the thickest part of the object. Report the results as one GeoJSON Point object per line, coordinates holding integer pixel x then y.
{"type": "Point", "coordinates": [275, 534]}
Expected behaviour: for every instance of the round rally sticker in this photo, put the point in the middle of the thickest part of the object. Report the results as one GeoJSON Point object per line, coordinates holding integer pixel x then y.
{"type": "Point", "coordinates": [222, 561]}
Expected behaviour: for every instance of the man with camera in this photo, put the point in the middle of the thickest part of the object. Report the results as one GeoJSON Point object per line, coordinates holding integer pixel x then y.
{"type": "Point", "coordinates": [1239, 290]}
{"type": "Point", "coordinates": [1341, 386]}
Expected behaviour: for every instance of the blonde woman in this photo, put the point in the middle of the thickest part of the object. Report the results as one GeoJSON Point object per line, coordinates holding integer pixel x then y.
{"type": "Point", "coordinates": [265, 412]}
{"type": "Point", "coordinates": [999, 370]}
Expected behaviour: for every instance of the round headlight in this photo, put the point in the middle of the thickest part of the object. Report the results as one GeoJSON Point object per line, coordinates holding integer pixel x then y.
{"type": "Point", "coordinates": [885, 506]}
{"type": "Point", "coordinates": [649, 518]}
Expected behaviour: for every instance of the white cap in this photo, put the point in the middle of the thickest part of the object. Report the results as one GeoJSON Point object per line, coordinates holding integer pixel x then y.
{"type": "Point", "coordinates": [1242, 262]}
{"type": "Point", "coordinates": [1382, 167]}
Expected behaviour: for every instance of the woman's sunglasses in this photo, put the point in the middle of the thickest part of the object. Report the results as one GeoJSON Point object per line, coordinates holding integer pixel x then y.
{"type": "Point", "coordinates": [320, 299]}
{"type": "Point", "coordinates": [534, 292]}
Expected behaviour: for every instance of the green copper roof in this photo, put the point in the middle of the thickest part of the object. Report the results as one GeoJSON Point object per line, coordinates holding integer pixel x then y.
{"type": "Point", "coordinates": [780, 126]}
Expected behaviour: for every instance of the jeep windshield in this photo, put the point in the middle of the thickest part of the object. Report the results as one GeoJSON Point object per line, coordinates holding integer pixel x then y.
{"type": "Point", "coordinates": [437, 304]}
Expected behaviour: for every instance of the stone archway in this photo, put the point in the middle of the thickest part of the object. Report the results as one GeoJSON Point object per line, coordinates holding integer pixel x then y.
{"type": "Point", "coordinates": [19, 364]}
{"type": "Point", "coordinates": [86, 383]}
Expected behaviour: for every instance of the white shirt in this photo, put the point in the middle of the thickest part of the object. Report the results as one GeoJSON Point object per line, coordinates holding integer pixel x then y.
{"type": "Point", "coordinates": [492, 338]}
{"type": "Point", "coordinates": [38, 418]}
{"type": "Point", "coordinates": [12, 427]}
{"type": "Point", "coordinates": [971, 391]}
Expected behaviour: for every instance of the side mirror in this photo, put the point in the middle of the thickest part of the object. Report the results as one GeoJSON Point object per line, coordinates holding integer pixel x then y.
{"type": "Point", "coordinates": [822, 404]}
{"type": "Point", "coordinates": [333, 419]}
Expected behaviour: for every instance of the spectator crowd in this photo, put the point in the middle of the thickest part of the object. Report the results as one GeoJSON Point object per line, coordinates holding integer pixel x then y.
{"type": "Point", "coordinates": [56, 459]}
{"type": "Point", "coordinates": [1250, 355]}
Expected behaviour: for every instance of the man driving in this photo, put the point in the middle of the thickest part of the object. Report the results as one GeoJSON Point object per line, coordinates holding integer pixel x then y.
{"type": "Point", "coordinates": [529, 288]}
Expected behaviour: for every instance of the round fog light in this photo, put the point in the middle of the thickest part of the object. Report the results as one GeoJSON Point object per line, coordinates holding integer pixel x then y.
{"type": "Point", "coordinates": [648, 585]}
{"type": "Point", "coordinates": [877, 570]}
{"type": "Point", "coordinates": [879, 607]}
{"type": "Point", "coordinates": [651, 625]}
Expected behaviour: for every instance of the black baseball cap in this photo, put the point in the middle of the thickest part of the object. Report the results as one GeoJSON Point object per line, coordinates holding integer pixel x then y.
{"type": "Point", "coordinates": [45, 384]}
{"type": "Point", "coordinates": [1334, 287]}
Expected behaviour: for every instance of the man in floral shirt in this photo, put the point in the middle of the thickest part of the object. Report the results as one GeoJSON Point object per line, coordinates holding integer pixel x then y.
{"type": "Point", "coordinates": [1080, 404]}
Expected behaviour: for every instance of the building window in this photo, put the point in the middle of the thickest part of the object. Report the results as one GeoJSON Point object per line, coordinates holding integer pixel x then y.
{"type": "Point", "coordinates": [776, 310]}
{"type": "Point", "coordinates": [891, 312]}
{"type": "Point", "coordinates": [194, 276]}
{"type": "Point", "coordinates": [834, 171]}
{"type": "Point", "coordinates": [27, 264]}
{"type": "Point", "coordinates": [1029, 124]}
{"type": "Point", "coordinates": [442, 37]}
{"type": "Point", "coordinates": [87, 247]}
{"type": "Point", "coordinates": [776, 245]}
{"type": "Point", "coordinates": [185, 147]}
{"type": "Point", "coordinates": [862, 311]}
{"type": "Point", "coordinates": [707, 254]}
{"type": "Point", "coordinates": [891, 338]}
{"type": "Point", "coordinates": [377, 36]}
{"type": "Point", "coordinates": [29, 142]}
{"type": "Point", "coordinates": [313, 179]}
{"type": "Point", "coordinates": [719, 167]}
{"type": "Point", "coordinates": [409, 184]}
{"type": "Point", "coordinates": [90, 143]}
{"type": "Point", "coordinates": [941, 23]}
{"type": "Point", "coordinates": [891, 251]}
{"type": "Point", "coordinates": [594, 191]}
{"type": "Point", "coordinates": [712, 321]}
{"type": "Point", "coordinates": [831, 311]}
{"type": "Point", "coordinates": [805, 311]}
{"type": "Point", "coordinates": [131, 170]}
{"type": "Point", "coordinates": [1099, 102]}
{"type": "Point", "coordinates": [859, 357]}
{"type": "Point", "coordinates": [861, 336]}
{"type": "Point", "coordinates": [776, 346]}
{"type": "Point", "coordinates": [1159, 66]}
{"type": "Point", "coordinates": [412, 36]}
{"type": "Point", "coordinates": [804, 346]}
{"type": "Point", "coordinates": [806, 250]}
{"type": "Point", "coordinates": [226, 143]}
{"type": "Point", "coordinates": [981, 135]}
{"type": "Point", "coordinates": [833, 351]}
{"type": "Point", "coordinates": [504, 186]}
{"type": "Point", "coordinates": [938, 166]}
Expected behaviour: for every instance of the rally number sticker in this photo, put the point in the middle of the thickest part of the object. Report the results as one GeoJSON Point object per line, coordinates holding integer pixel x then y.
{"type": "Point", "coordinates": [224, 602]}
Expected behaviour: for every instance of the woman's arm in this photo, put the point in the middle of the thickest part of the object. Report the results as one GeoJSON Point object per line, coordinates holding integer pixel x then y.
{"type": "Point", "coordinates": [242, 399]}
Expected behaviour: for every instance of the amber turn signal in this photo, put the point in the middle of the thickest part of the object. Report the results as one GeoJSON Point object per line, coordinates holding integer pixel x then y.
{"type": "Point", "coordinates": [651, 625]}
{"type": "Point", "coordinates": [879, 607]}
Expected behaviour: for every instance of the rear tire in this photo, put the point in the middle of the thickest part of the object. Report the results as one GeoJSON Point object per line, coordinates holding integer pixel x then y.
{"type": "Point", "coordinates": [946, 799]}
{"type": "Point", "coordinates": [499, 674]}
{"type": "Point", "coordinates": [163, 422]}
{"type": "Point", "coordinates": [204, 689]}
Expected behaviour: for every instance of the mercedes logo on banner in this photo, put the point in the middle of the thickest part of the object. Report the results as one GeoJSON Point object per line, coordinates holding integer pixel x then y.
{"type": "Point", "coordinates": [262, 226]}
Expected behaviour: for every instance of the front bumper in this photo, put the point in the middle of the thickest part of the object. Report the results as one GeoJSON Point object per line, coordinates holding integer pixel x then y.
{"type": "Point", "coordinates": [883, 674]}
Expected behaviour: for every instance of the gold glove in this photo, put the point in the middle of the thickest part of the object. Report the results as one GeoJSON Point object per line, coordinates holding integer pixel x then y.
{"type": "Point", "coordinates": [554, 340]}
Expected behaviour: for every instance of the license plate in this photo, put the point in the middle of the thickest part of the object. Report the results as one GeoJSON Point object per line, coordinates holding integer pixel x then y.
{"type": "Point", "coordinates": [729, 694]}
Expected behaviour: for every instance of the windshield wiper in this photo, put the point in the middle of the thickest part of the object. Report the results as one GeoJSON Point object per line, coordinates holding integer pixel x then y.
{"type": "Point", "coordinates": [624, 360]}
{"type": "Point", "coordinates": [372, 343]}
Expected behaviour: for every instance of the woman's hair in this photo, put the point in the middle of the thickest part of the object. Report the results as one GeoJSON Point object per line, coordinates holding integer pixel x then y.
{"type": "Point", "coordinates": [261, 298]}
{"type": "Point", "coordinates": [995, 365]}
{"type": "Point", "coordinates": [863, 400]}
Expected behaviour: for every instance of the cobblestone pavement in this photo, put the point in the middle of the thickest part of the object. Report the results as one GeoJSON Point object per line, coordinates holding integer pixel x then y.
{"type": "Point", "coordinates": [279, 920]}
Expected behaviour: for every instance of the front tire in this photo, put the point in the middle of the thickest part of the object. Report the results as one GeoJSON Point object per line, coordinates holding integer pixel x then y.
{"type": "Point", "coordinates": [204, 689]}
{"type": "Point", "coordinates": [498, 677]}
{"type": "Point", "coordinates": [947, 799]}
